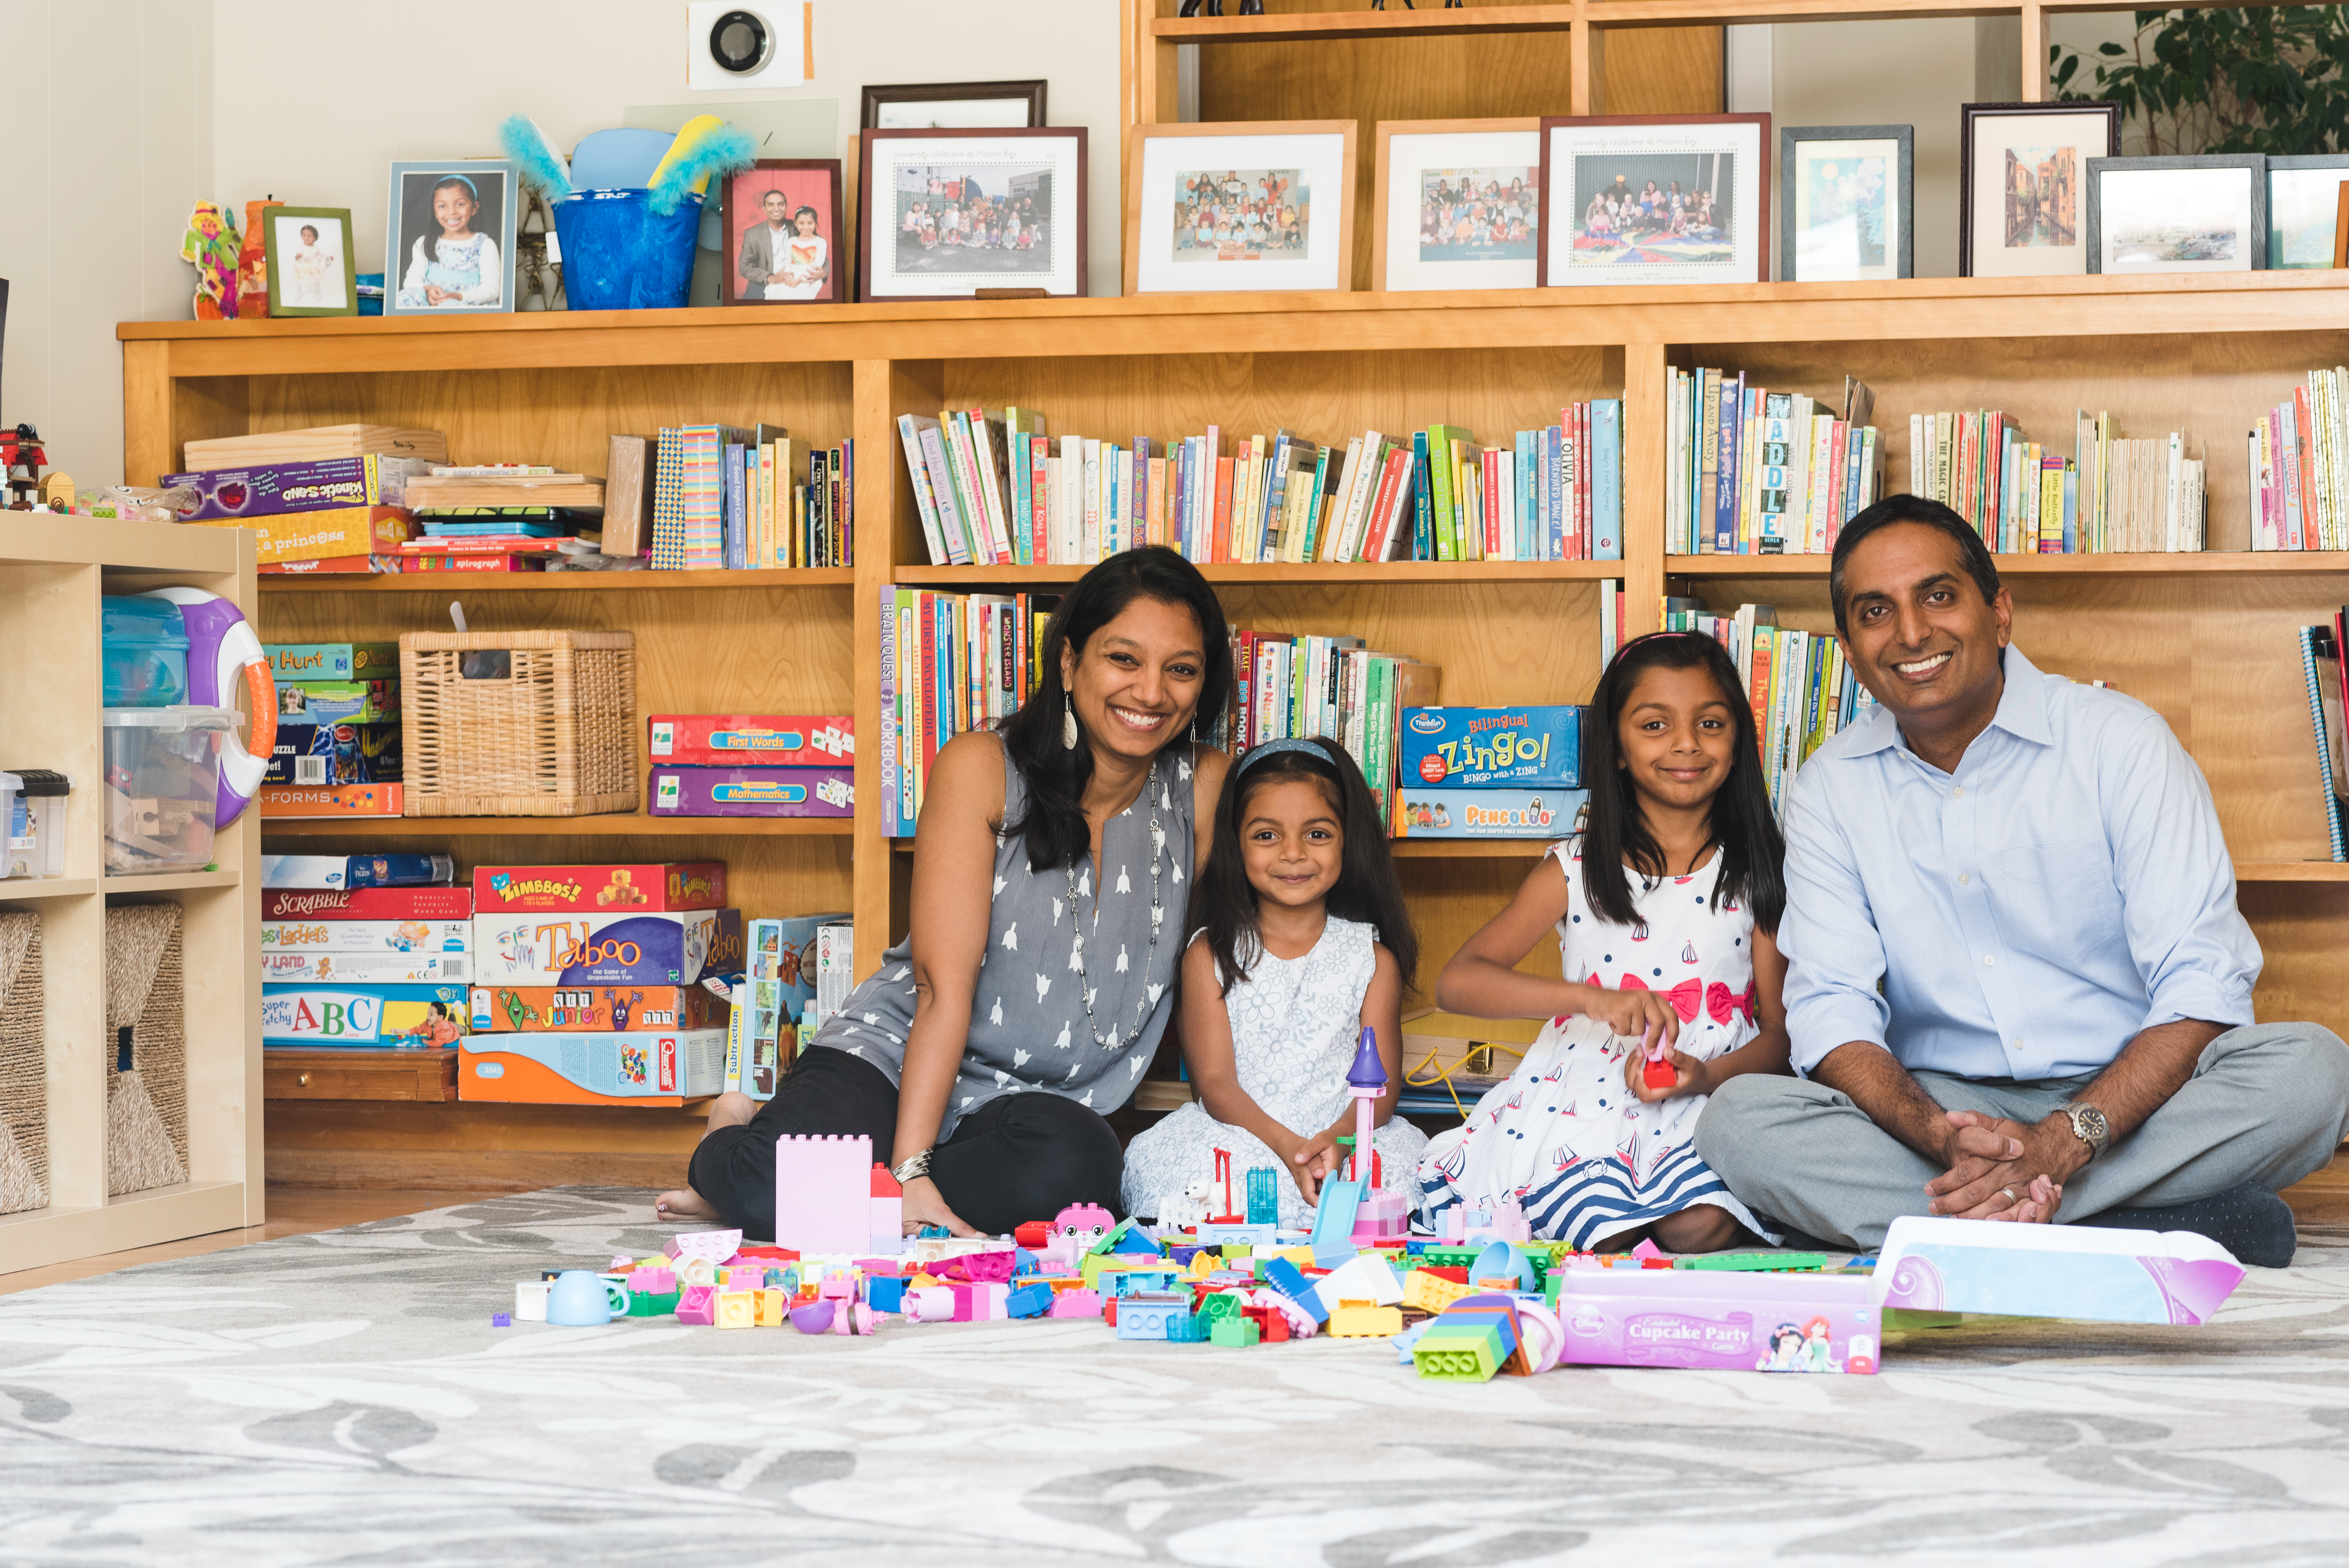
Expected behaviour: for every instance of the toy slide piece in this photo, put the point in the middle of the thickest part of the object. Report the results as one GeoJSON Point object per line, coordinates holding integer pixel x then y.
{"type": "Point", "coordinates": [2053, 1270]}
{"type": "Point", "coordinates": [1333, 1221]}
{"type": "Point", "coordinates": [823, 1194]}
{"type": "Point", "coordinates": [716, 1246]}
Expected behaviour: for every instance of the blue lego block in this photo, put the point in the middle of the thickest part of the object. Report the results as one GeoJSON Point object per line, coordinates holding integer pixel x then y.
{"type": "Point", "coordinates": [1263, 1195]}
{"type": "Point", "coordinates": [1024, 1262]}
{"type": "Point", "coordinates": [1148, 1317]}
{"type": "Point", "coordinates": [1284, 1277]}
{"type": "Point", "coordinates": [1132, 1241]}
{"type": "Point", "coordinates": [885, 1293]}
{"type": "Point", "coordinates": [1189, 1328]}
{"type": "Point", "coordinates": [1333, 1222]}
{"type": "Point", "coordinates": [1124, 1283]}
{"type": "Point", "coordinates": [1029, 1301]}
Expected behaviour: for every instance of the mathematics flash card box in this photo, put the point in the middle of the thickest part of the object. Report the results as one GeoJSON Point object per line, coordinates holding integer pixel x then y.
{"type": "Point", "coordinates": [642, 1066]}
{"type": "Point", "coordinates": [1506, 813]}
{"type": "Point", "coordinates": [1483, 748]}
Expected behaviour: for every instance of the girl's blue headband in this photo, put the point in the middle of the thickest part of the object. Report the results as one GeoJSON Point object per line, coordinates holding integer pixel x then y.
{"type": "Point", "coordinates": [1274, 748]}
{"type": "Point", "coordinates": [459, 179]}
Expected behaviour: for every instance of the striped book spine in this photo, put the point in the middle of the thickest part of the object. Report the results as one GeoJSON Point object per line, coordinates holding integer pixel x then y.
{"type": "Point", "coordinates": [668, 510]}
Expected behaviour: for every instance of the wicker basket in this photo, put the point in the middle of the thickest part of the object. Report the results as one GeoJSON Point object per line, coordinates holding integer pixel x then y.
{"type": "Point", "coordinates": [23, 1069]}
{"type": "Point", "coordinates": [542, 723]}
{"type": "Point", "coordinates": [147, 1070]}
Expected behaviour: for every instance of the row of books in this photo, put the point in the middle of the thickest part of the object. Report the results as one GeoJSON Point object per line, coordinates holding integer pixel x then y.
{"type": "Point", "coordinates": [993, 489]}
{"type": "Point", "coordinates": [2328, 698]}
{"type": "Point", "coordinates": [2299, 468]}
{"type": "Point", "coordinates": [2112, 494]}
{"type": "Point", "coordinates": [1756, 472]}
{"type": "Point", "coordinates": [1802, 688]}
{"type": "Point", "coordinates": [1336, 689]}
{"type": "Point", "coordinates": [728, 498]}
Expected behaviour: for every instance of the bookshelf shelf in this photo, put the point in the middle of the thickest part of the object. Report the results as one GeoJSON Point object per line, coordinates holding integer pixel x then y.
{"type": "Point", "coordinates": [1351, 573]}
{"type": "Point", "coordinates": [177, 881]}
{"type": "Point", "coordinates": [469, 583]}
{"type": "Point", "coordinates": [1318, 27]}
{"type": "Point", "coordinates": [2290, 872]}
{"type": "Point", "coordinates": [22, 890]}
{"type": "Point", "coordinates": [616, 825]}
{"type": "Point", "coordinates": [2181, 563]}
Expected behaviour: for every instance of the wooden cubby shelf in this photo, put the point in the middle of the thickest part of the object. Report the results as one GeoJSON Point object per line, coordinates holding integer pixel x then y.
{"type": "Point", "coordinates": [461, 583]}
{"type": "Point", "coordinates": [1356, 572]}
{"type": "Point", "coordinates": [2177, 563]}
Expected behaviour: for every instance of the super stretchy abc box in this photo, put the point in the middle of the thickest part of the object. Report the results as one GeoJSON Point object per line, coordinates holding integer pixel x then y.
{"type": "Point", "coordinates": [1719, 1321]}
{"type": "Point", "coordinates": [642, 1066]}
{"type": "Point", "coordinates": [633, 949]}
{"type": "Point", "coordinates": [788, 740]}
{"type": "Point", "coordinates": [537, 1009]}
{"type": "Point", "coordinates": [366, 1017]}
{"type": "Point", "coordinates": [599, 890]}
{"type": "Point", "coordinates": [1486, 748]}
{"type": "Point", "coordinates": [1509, 813]}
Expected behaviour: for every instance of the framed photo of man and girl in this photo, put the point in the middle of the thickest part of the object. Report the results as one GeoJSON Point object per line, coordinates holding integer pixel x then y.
{"type": "Point", "coordinates": [781, 222]}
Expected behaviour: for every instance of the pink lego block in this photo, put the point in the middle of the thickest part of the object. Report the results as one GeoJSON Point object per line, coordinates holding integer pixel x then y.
{"type": "Point", "coordinates": [888, 1213]}
{"type": "Point", "coordinates": [714, 1246]}
{"type": "Point", "coordinates": [745, 1277]}
{"type": "Point", "coordinates": [652, 1281]}
{"type": "Point", "coordinates": [823, 1197]}
{"type": "Point", "coordinates": [698, 1304]}
{"type": "Point", "coordinates": [967, 1307]}
{"type": "Point", "coordinates": [1076, 1304]}
{"type": "Point", "coordinates": [931, 1304]}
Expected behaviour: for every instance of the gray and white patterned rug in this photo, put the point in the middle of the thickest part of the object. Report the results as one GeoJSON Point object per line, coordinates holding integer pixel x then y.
{"type": "Point", "coordinates": [341, 1398]}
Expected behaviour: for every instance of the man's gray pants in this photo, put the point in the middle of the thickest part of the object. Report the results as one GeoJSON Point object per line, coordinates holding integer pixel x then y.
{"type": "Point", "coordinates": [2268, 1103]}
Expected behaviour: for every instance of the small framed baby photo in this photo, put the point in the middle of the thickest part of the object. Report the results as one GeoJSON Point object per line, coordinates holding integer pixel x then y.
{"type": "Point", "coordinates": [782, 233]}
{"type": "Point", "coordinates": [310, 254]}
{"type": "Point", "coordinates": [452, 238]}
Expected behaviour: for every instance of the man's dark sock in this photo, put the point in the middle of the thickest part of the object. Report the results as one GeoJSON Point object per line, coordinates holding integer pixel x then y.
{"type": "Point", "coordinates": [2248, 1220]}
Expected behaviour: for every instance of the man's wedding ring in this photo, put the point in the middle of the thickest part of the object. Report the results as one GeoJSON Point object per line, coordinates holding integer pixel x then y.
{"type": "Point", "coordinates": [2010, 1194]}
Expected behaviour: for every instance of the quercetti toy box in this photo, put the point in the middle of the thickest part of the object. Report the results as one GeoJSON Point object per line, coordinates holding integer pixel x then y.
{"type": "Point", "coordinates": [364, 1017]}
{"type": "Point", "coordinates": [1507, 813]}
{"type": "Point", "coordinates": [599, 890]}
{"type": "Point", "coordinates": [606, 949]}
{"type": "Point", "coordinates": [759, 792]}
{"type": "Point", "coordinates": [367, 903]}
{"type": "Point", "coordinates": [1489, 747]}
{"type": "Point", "coordinates": [548, 1009]}
{"type": "Point", "coordinates": [765, 739]}
{"type": "Point", "coordinates": [641, 1066]}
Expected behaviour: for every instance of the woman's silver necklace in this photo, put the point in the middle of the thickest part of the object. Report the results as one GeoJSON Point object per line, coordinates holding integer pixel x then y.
{"type": "Point", "coordinates": [1157, 915]}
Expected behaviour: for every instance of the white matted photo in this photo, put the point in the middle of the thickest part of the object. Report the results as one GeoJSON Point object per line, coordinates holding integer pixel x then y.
{"type": "Point", "coordinates": [310, 255]}
{"type": "Point", "coordinates": [1655, 199]}
{"type": "Point", "coordinates": [1844, 204]}
{"type": "Point", "coordinates": [1459, 205]}
{"type": "Point", "coordinates": [2019, 208]}
{"type": "Point", "coordinates": [2202, 214]}
{"type": "Point", "coordinates": [452, 239]}
{"type": "Point", "coordinates": [1245, 208]}
{"type": "Point", "coordinates": [945, 213]}
{"type": "Point", "coordinates": [2304, 205]}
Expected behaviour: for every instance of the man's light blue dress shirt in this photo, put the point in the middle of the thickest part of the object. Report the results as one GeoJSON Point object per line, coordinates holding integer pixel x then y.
{"type": "Point", "coordinates": [2067, 888]}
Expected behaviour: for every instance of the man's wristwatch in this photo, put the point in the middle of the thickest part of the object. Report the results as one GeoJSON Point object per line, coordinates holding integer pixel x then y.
{"type": "Point", "coordinates": [919, 1164]}
{"type": "Point", "coordinates": [2088, 1127]}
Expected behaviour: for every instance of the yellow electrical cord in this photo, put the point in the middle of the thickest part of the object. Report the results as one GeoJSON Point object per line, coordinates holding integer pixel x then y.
{"type": "Point", "coordinates": [1443, 1075]}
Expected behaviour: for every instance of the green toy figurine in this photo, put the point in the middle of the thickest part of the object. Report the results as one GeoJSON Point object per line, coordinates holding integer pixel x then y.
{"type": "Point", "coordinates": [211, 244]}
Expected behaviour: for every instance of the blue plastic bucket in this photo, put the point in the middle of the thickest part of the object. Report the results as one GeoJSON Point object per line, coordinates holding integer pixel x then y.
{"type": "Point", "coordinates": [619, 254]}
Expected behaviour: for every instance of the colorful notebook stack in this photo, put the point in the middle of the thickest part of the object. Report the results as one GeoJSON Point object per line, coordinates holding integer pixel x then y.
{"type": "Point", "coordinates": [1756, 472]}
{"type": "Point", "coordinates": [2328, 698]}
{"type": "Point", "coordinates": [1802, 688]}
{"type": "Point", "coordinates": [501, 517]}
{"type": "Point", "coordinates": [2299, 468]}
{"type": "Point", "coordinates": [2112, 494]}
{"type": "Point", "coordinates": [993, 489]}
{"type": "Point", "coordinates": [338, 737]}
{"type": "Point", "coordinates": [726, 499]}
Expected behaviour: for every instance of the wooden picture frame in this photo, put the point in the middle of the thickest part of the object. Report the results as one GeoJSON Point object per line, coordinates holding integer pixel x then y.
{"type": "Point", "coordinates": [2246, 240]}
{"type": "Point", "coordinates": [823, 174]}
{"type": "Point", "coordinates": [282, 258]}
{"type": "Point", "coordinates": [1567, 218]}
{"type": "Point", "coordinates": [1898, 205]}
{"type": "Point", "coordinates": [2307, 193]}
{"type": "Point", "coordinates": [1971, 118]}
{"type": "Point", "coordinates": [876, 101]}
{"type": "Point", "coordinates": [1384, 246]}
{"type": "Point", "coordinates": [495, 181]}
{"type": "Point", "coordinates": [1068, 255]}
{"type": "Point", "coordinates": [2340, 232]}
{"type": "Point", "coordinates": [1329, 271]}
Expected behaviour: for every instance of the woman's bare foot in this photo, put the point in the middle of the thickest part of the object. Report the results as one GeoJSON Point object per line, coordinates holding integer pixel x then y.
{"type": "Point", "coordinates": [729, 1110]}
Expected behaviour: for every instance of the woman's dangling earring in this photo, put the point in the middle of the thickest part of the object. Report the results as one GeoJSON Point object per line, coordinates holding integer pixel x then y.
{"type": "Point", "coordinates": [1068, 725]}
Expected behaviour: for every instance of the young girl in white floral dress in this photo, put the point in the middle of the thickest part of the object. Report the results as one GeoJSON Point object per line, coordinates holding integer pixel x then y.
{"type": "Point", "coordinates": [1664, 908]}
{"type": "Point", "coordinates": [1302, 943]}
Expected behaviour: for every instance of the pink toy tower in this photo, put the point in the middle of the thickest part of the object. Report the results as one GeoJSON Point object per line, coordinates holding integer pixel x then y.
{"type": "Point", "coordinates": [1366, 1080]}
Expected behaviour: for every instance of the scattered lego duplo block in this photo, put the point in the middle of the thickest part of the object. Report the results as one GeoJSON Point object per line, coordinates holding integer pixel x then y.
{"type": "Point", "coordinates": [823, 1194]}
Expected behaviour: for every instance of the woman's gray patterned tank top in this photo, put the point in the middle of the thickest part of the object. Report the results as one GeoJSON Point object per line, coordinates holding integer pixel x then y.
{"type": "Point", "coordinates": [1028, 1025]}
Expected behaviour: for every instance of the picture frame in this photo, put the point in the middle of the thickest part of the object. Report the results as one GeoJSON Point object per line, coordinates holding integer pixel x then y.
{"type": "Point", "coordinates": [2019, 168]}
{"type": "Point", "coordinates": [954, 106]}
{"type": "Point", "coordinates": [1419, 236]}
{"type": "Point", "coordinates": [2304, 210]}
{"type": "Point", "coordinates": [1266, 175]}
{"type": "Point", "coordinates": [1028, 185]}
{"type": "Point", "coordinates": [1646, 198]}
{"type": "Point", "coordinates": [1846, 202]}
{"type": "Point", "coordinates": [2172, 215]}
{"type": "Point", "coordinates": [415, 187]}
{"type": "Point", "coordinates": [759, 258]}
{"type": "Point", "coordinates": [309, 261]}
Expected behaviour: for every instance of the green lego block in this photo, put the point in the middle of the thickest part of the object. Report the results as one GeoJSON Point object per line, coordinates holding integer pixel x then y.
{"type": "Point", "coordinates": [1236, 1330]}
{"type": "Point", "coordinates": [1463, 1352]}
{"type": "Point", "coordinates": [1758, 1263]}
{"type": "Point", "coordinates": [1450, 1258]}
{"type": "Point", "coordinates": [1219, 1307]}
{"type": "Point", "coordinates": [644, 1305]}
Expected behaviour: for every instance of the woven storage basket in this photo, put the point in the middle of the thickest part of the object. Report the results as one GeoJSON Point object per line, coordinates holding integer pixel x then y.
{"type": "Point", "coordinates": [147, 1068]}
{"type": "Point", "coordinates": [23, 1069]}
{"type": "Point", "coordinates": [547, 730]}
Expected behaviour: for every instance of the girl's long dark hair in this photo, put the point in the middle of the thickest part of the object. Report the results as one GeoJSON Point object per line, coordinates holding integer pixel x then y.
{"type": "Point", "coordinates": [1224, 903]}
{"type": "Point", "coordinates": [1753, 854]}
{"type": "Point", "coordinates": [1053, 825]}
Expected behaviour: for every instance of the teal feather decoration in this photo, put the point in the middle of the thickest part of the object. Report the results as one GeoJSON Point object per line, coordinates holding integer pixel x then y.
{"type": "Point", "coordinates": [542, 169]}
{"type": "Point", "coordinates": [688, 171]}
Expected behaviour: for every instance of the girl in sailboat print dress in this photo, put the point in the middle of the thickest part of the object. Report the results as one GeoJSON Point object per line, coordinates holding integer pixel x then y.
{"type": "Point", "coordinates": [1664, 908]}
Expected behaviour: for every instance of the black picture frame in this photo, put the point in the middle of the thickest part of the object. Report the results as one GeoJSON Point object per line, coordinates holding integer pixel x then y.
{"type": "Point", "coordinates": [2255, 228]}
{"type": "Point", "coordinates": [869, 117]}
{"type": "Point", "coordinates": [842, 243]}
{"type": "Point", "coordinates": [1971, 113]}
{"type": "Point", "coordinates": [1792, 137]}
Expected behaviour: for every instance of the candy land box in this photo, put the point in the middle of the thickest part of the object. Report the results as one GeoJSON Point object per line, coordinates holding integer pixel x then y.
{"type": "Point", "coordinates": [319, 754]}
{"type": "Point", "coordinates": [1483, 748]}
{"type": "Point", "coordinates": [752, 791]}
{"type": "Point", "coordinates": [547, 1009]}
{"type": "Point", "coordinates": [607, 949]}
{"type": "Point", "coordinates": [366, 1017]}
{"type": "Point", "coordinates": [1509, 813]}
{"type": "Point", "coordinates": [642, 1067]}
{"type": "Point", "coordinates": [767, 739]}
{"type": "Point", "coordinates": [383, 968]}
{"type": "Point", "coordinates": [1719, 1321]}
{"type": "Point", "coordinates": [1930, 1264]}
{"type": "Point", "coordinates": [599, 890]}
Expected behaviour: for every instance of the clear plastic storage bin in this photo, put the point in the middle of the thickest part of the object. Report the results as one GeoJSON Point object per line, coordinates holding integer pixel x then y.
{"type": "Point", "coordinates": [145, 663]}
{"type": "Point", "coordinates": [163, 786]}
{"type": "Point", "coordinates": [33, 823]}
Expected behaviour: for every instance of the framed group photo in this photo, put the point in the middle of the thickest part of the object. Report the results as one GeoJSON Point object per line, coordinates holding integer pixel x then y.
{"type": "Point", "coordinates": [945, 213]}
{"type": "Point", "coordinates": [1844, 203]}
{"type": "Point", "coordinates": [1227, 206]}
{"type": "Point", "coordinates": [2207, 214]}
{"type": "Point", "coordinates": [1458, 204]}
{"type": "Point", "coordinates": [309, 256]}
{"type": "Point", "coordinates": [450, 246]}
{"type": "Point", "coordinates": [2304, 210]}
{"type": "Point", "coordinates": [2021, 166]}
{"type": "Point", "coordinates": [781, 222]}
{"type": "Point", "coordinates": [954, 106]}
{"type": "Point", "coordinates": [1655, 198]}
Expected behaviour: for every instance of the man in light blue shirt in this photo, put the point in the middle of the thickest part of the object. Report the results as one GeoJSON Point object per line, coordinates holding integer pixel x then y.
{"type": "Point", "coordinates": [2018, 987]}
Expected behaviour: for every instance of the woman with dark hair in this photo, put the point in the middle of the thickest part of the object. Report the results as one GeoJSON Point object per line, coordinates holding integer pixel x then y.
{"type": "Point", "coordinates": [1665, 907]}
{"type": "Point", "coordinates": [1051, 869]}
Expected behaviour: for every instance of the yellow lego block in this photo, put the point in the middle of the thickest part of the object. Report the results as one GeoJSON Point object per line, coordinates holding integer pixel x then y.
{"type": "Point", "coordinates": [774, 1306]}
{"type": "Point", "coordinates": [1362, 1320]}
{"type": "Point", "coordinates": [1432, 1293]}
{"type": "Point", "coordinates": [1202, 1266]}
{"type": "Point", "coordinates": [738, 1308]}
{"type": "Point", "coordinates": [1301, 1257]}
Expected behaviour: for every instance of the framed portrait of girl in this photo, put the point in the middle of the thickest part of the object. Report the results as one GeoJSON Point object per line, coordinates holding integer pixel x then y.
{"type": "Point", "coordinates": [781, 219]}
{"type": "Point", "coordinates": [452, 239]}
